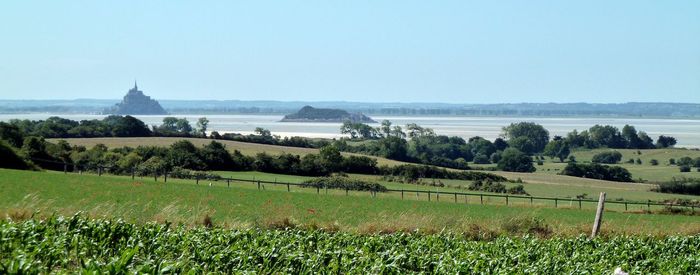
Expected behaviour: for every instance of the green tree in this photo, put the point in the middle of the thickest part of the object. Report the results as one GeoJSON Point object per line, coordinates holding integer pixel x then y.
{"type": "Point", "coordinates": [385, 128]}
{"type": "Point", "coordinates": [524, 144]}
{"type": "Point", "coordinates": [537, 134]}
{"type": "Point", "coordinates": [557, 149]}
{"type": "Point", "coordinates": [183, 126]}
{"type": "Point", "coordinates": [397, 131]}
{"type": "Point", "coordinates": [12, 134]}
{"type": "Point", "coordinates": [216, 157]}
{"type": "Point", "coordinates": [265, 133]}
{"type": "Point", "coordinates": [169, 124]}
{"type": "Point", "coordinates": [609, 157]}
{"type": "Point", "coordinates": [415, 131]}
{"type": "Point", "coordinates": [202, 125]}
{"type": "Point", "coordinates": [330, 158]}
{"type": "Point", "coordinates": [393, 147]}
{"type": "Point", "coordinates": [185, 155]}
{"type": "Point", "coordinates": [515, 161]}
{"type": "Point", "coordinates": [665, 142]}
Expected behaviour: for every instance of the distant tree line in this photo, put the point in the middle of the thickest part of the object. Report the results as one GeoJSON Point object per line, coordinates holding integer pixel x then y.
{"type": "Point", "coordinates": [511, 152]}
{"type": "Point", "coordinates": [184, 159]}
{"type": "Point", "coordinates": [412, 143]}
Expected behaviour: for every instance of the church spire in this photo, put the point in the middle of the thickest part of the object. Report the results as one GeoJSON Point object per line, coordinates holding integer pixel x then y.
{"type": "Point", "coordinates": [135, 87]}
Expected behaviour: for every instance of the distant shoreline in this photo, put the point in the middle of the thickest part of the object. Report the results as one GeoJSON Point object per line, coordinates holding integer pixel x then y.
{"type": "Point", "coordinates": [281, 114]}
{"type": "Point", "coordinates": [231, 107]}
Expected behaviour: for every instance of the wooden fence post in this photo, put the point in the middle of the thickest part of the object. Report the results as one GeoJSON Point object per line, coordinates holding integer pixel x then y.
{"type": "Point", "coordinates": [598, 215]}
{"type": "Point", "coordinates": [402, 194]}
{"type": "Point", "coordinates": [506, 200]}
{"type": "Point", "coordinates": [196, 178]}
{"type": "Point", "coordinates": [455, 197]}
{"type": "Point", "coordinates": [133, 173]}
{"type": "Point", "coordinates": [258, 185]}
{"type": "Point", "coordinates": [481, 196]}
{"type": "Point", "coordinates": [556, 202]}
{"type": "Point", "coordinates": [288, 187]}
{"type": "Point", "coordinates": [579, 203]}
{"type": "Point", "coordinates": [165, 176]}
{"type": "Point", "coordinates": [228, 182]}
{"type": "Point", "coordinates": [428, 195]}
{"type": "Point", "coordinates": [65, 168]}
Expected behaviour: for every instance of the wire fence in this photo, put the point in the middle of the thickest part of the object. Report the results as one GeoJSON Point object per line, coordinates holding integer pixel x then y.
{"type": "Point", "coordinates": [407, 194]}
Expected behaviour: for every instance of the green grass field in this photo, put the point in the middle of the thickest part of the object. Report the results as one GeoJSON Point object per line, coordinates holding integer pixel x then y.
{"type": "Point", "coordinates": [644, 171]}
{"type": "Point", "coordinates": [570, 189]}
{"type": "Point", "coordinates": [541, 176]}
{"type": "Point", "coordinates": [243, 205]}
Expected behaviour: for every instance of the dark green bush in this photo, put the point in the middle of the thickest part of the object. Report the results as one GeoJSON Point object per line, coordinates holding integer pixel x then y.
{"type": "Point", "coordinates": [609, 157]}
{"type": "Point", "coordinates": [597, 171]}
{"type": "Point", "coordinates": [689, 186]}
{"type": "Point", "coordinates": [343, 183]}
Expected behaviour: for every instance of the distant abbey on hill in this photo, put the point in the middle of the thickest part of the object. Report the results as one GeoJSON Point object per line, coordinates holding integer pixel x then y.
{"type": "Point", "coordinates": [136, 103]}
{"type": "Point", "coordinates": [311, 114]}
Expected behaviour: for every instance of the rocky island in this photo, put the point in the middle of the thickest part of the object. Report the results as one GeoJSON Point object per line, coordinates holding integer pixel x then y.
{"type": "Point", "coordinates": [311, 114]}
{"type": "Point", "coordinates": [137, 103]}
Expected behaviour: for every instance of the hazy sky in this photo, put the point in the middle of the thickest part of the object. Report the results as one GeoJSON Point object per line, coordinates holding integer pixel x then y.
{"type": "Point", "coordinates": [388, 51]}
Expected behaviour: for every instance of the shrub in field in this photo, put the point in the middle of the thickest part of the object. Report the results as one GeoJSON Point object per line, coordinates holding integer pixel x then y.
{"type": "Point", "coordinates": [654, 162]}
{"type": "Point", "coordinates": [609, 157]}
{"type": "Point", "coordinates": [496, 187]}
{"type": "Point", "coordinates": [518, 190]}
{"type": "Point", "coordinates": [343, 183]}
{"type": "Point", "coordinates": [181, 173]}
{"type": "Point", "coordinates": [481, 159]}
{"type": "Point", "coordinates": [685, 161]}
{"type": "Point", "coordinates": [412, 173]}
{"type": "Point", "coordinates": [684, 168]}
{"type": "Point", "coordinates": [690, 186]}
{"type": "Point", "coordinates": [515, 161]}
{"type": "Point", "coordinates": [597, 171]}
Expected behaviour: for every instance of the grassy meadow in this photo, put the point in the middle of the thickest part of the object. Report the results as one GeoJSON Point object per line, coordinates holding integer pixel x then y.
{"type": "Point", "coordinates": [645, 171]}
{"type": "Point", "coordinates": [243, 206]}
{"type": "Point", "coordinates": [541, 176]}
{"type": "Point", "coordinates": [614, 190]}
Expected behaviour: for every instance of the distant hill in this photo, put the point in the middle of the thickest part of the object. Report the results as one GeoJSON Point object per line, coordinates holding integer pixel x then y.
{"type": "Point", "coordinates": [311, 114]}
{"type": "Point", "coordinates": [137, 103]}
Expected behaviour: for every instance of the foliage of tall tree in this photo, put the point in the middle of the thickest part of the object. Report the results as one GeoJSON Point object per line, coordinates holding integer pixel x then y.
{"type": "Point", "coordinates": [538, 135]}
{"type": "Point", "coordinates": [515, 161]}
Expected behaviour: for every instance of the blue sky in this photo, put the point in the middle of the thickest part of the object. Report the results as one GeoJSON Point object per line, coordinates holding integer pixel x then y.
{"type": "Point", "coordinates": [374, 51]}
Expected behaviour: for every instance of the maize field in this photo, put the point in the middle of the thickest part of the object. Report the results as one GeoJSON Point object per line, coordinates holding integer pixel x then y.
{"type": "Point", "coordinates": [77, 244]}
